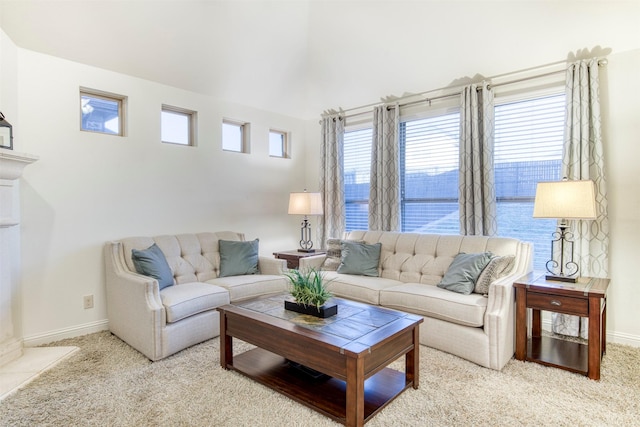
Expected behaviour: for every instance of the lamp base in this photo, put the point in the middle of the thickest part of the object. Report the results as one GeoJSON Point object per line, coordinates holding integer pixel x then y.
{"type": "Point", "coordinates": [555, 278]}
{"type": "Point", "coordinates": [308, 251]}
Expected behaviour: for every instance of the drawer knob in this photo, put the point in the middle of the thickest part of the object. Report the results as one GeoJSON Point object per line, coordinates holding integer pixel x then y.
{"type": "Point", "coordinates": [556, 303]}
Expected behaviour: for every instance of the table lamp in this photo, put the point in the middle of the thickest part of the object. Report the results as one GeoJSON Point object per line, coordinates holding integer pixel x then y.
{"type": "Point", "coordinates": [564, 200]}
{"type": "Point", "coordinates": [305, 204]}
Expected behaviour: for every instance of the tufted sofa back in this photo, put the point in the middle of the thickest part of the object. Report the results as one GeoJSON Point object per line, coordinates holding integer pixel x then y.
{"type": "Point", "coordinates": [424, 258]}
{"type": "Point", "coordinates": [192, 257]}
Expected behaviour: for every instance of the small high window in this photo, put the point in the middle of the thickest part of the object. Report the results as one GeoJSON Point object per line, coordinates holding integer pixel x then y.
{"type": "Point", "coordinates": [102, 112]}
{"type": "Point", "coordinates": [178, 126]}
{"type": "Point", "coordinates": [235, 136]}
{"type": "Point", "coordinates": [278, 144]}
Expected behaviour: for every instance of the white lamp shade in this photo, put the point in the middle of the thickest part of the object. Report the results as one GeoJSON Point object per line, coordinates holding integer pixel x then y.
{"type": "Point", "coordinates": [565, 200]}
{"type": "Point", "coordinates": [305, 204]}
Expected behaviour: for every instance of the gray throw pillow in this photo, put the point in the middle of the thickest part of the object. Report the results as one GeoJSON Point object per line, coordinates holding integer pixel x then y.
{"type": "Point", "coordinates": [238, 258]}
{"type": "Point", "coordinates": [463, 272]}
{"type": "Point", "coordinates": [359, 258]}
{"type": "Point", "coordinates": [498, 267]}
{"type": "Point", "coordinates": [152, 262]}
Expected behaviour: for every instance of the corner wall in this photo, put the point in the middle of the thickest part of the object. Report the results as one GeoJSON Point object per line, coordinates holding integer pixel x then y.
{"type": "Point", "coordinates": [89, 188]}
{"type": "Point", "coordinates": [621, 127]}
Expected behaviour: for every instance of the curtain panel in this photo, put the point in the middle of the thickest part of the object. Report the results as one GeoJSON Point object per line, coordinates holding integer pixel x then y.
{"type": "Point", "coordinates": [477, 192]}
{"type": "Point", "coordinates": [384, 183]}
{"type": "Point", "coordinates": [583, 158]}
{"type": "Point", "coordinates": [332, 223]}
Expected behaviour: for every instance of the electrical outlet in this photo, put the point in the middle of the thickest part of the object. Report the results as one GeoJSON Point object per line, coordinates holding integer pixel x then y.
{"type": "Point", "coordinates": [88, 301]}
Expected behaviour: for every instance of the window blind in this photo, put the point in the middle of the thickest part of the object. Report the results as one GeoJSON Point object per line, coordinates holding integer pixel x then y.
{"type": "Point", "coordinates": [528, 149]}
{"type": "Point", "coordinates": [429, 174]}
{"type": "Point", "coordinates": [357, 168]}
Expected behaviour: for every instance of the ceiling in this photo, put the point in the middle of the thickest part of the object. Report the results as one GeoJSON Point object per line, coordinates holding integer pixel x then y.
{"type": "Point", "coordinates": [238, 50]}
{"type": "Point", "coordinates": [300, 57]}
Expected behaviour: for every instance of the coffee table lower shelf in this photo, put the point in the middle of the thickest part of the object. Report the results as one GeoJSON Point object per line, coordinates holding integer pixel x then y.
{"type": "Point", "coordinates": [325, 394]}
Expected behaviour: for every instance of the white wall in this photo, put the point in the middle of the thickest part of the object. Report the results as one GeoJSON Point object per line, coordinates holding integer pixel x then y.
{"type": "Point", "coordinates": [621, 130]}
{"type": "Point", "coordinates": [8, 79]}
{"type": "Point", "coordinates": [89, 188]}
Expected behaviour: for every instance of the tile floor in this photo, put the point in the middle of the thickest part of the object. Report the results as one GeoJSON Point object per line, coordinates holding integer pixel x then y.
{"type": "Point", "coordinates": [34, 361]}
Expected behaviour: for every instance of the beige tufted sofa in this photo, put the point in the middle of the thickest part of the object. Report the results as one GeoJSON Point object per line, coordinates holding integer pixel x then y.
{"type": "Point", "coordinates": [158, 322]}
{"type": "Point", "coordinates": [475, 327]}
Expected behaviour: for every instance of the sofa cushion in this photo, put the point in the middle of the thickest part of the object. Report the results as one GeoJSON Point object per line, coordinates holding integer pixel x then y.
{"type": "Point", "coordinates": [462, 274]}
{"type": "Point", "coordinates": [187, 299]}
{"type": "Point", "coordinates": [431, 301]}
{"type": "Point", "coordinates": [238, 258]}
{"type": "Point", "coordinates": [152, 262]}
{"type": "Point", "coordinates": [249, 286]}
{"type": "Point", "coordinates": [498, 267]}
{"type": "Point", "coordinates": [359, 288]}
{"type": "Point", "coordinates": [359, 258]}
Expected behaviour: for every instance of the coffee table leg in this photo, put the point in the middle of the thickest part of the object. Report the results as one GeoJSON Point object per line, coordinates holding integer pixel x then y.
{"type": "Point", "coordinates": [226, 343]}
{"type": "Point", "coordinates": [412, 360]}
{"type": "Point", "coordinates": [355, 392]}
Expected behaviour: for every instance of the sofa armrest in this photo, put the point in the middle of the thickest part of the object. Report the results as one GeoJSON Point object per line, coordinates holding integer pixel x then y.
{"type": "Point", "coordinates": [500, 315]}
{"type": "Point", "coordinates": [134, 307]}
{"type": "Point", "coordinates": [269, 265]}
{"type": "Point", "coordinates": [314, 261]}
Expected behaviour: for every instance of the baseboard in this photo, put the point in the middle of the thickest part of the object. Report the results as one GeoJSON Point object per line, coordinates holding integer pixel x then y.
{"type": "Point", "coordinates": [612, 336]}
{"type": "Point", "coordinates": [622, 338]}
{"type": "Point", "coordinates": [74, 331]}
{"type": "Point", "coordinates": [103, 325]}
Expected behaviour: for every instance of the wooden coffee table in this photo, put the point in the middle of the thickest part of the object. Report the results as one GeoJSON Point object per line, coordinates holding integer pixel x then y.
{"type": "Point", "coordinates": [337, 366]}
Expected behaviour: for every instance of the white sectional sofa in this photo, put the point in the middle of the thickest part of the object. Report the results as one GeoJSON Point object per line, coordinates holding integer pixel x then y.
{"type": "Point", "coordinates": [476, 327]}
{"type": "Point", "coordinates": [159, 322]}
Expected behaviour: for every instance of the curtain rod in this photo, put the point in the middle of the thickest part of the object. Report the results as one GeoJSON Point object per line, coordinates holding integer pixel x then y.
{"type": "Point", "coordinates": [601, 62]}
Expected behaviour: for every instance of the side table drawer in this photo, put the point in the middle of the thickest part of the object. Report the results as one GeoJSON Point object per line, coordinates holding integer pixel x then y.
{"type": "Point", "coordinates": [559, 304]}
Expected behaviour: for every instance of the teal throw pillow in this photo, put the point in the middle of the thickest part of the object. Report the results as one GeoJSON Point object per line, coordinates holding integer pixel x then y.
{"type": "Point", "coordinates": [359, 258]}
{"type": "Point", "coordinates": [152, 262]}
{"type": "Point", "coordinates": [238, 258]}
{"type": "Point", "coordinates": [463, 272]}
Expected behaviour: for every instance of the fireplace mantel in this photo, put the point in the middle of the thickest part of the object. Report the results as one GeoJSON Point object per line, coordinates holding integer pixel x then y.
{"type": "Point", "coordinates": [13, 163]}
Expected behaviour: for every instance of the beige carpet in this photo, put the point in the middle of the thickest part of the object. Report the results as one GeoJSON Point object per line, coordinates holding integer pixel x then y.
{"type": "Point", "coordinates": [107, 383]}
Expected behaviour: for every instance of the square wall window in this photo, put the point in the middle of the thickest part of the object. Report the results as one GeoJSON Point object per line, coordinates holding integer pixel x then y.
{"type": "Point", "coordinates": [178, 126]}
{"type": "Point", "coordinates": [278, 144]}
{"type": "Point", "coordinates": [235, 136]}
{"type": "Point", "coordinates": [102, 112]}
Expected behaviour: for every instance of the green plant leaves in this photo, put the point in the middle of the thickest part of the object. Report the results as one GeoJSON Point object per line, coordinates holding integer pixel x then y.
{"type": "Point", "coordinates": [308, 287]}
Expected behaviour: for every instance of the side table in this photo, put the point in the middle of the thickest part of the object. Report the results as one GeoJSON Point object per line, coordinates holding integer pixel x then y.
{"type": "Point", "coordinates": [586, 298]}
{"type": "Point", "coordinates": [293, 257]}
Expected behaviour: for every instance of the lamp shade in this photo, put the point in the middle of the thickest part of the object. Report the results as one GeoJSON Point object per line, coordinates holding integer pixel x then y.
{"type": "Point", "coordinates": [565, 200]}
{"type": "Point", "coordinates": [305, 204]}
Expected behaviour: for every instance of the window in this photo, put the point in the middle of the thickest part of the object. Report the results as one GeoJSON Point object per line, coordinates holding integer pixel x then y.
{"type": "Point", "coordinates": [429, 174]}
{"type": "Point", "coordinates": [357, 167]}
{"type": "Point", "coordinates": [235, 136]}
{"type": "Point", "coordinates": [278, 144]}
{"type": "Point", "coordinates": [178, 126]}
{"type": "Point", "coordinates": [528, 149]}
{"type": "Point", "coordinates": [102, 112]}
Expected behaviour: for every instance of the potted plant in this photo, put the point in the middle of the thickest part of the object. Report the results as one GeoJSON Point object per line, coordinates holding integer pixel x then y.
{"type": "Point", "coordinates": [310, 293]}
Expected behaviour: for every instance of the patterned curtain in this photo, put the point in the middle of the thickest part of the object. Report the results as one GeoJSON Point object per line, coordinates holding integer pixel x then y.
{"type": "Point", "coordinates": [332, 223]}
{"type": "Point", "coordinates": [476, 193]}
{"type": "Point", "coordinates": [384, 185]}
{"type": "Point", "coordinates": [583, 159]}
